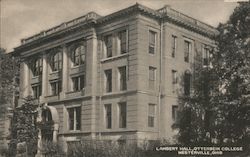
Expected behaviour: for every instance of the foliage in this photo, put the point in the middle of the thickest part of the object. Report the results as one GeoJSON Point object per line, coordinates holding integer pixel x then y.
{"type": "Point", "coordinates": [8, 71]}
{"type": "Point", "coordinates": [105, 148]}
{"type": "Point", "coordinates": [52, 149]}
{"type": "Point", "coordinates": [195, 118]}
{"type": "Point", "coordinates": [24, 127]}
{"type": "Point", "coordinates": [218, 111]}
{"type": "Point", "coordinates": [234, 71]}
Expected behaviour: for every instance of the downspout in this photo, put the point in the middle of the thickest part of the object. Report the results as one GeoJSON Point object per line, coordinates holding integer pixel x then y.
{"type": "Point", "coordinates": [160, 78]}
{"type": "Point", "coordinates": [100, 88]}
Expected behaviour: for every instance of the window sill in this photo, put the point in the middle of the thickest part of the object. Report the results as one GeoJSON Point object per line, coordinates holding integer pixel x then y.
{"type": "Point", "coordinates": [54, 72]}
{"type": "Point", "coordinates": [114, 57]}
{"type": "Point", "coordinates": [118, 92]}
{"type": "Point", "coordinates": [78, 91]}
{"type": "Point", "coordinates": [50, 96]}
{"type": "Point", "coordinates": [35, 77]}
{"type": "Point", "coordinates": [77, 66]}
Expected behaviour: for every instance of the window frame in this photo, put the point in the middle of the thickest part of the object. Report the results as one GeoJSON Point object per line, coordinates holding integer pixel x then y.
{"type": "Point", "coordinates": [37, 67]}
{"type": "Point", "coordinates": [80, 81]}
{"type": "Point", "coordinates": [206, 56]}
{"type": "Point", "coordinates": [75, 123]}
{"type": "Point", "coordinates": [79, 54]}
{"type": "Point", "coordinates": [175, 111]}
{"type": "Point", "coordinates": [37, 90]}
{"type": "Point", "coordinates": [188, 50]}
{"type": "Point", "coordinates": [108, 80]}
{"type": "Point", "coordinates": [174, 77]}
{"type": "Point", "coordinates": [56, 61]}
{"type": "Point", "coordinates": [108, 42]}
{"type": "Point", "coordinates": [152, 45]}
{"type": "Point", "coordinates": [122, 114]}
{"type": "Point", "coordinates": [121, 42]}
{"type": "Point", "coordinates": [174, 45]}
{"type": "Point", "coordinates": [57, 86]}
{"type": "Point", "coordinates": [187, 78]}
{"type": "Point", "coordinates": [108, 116]}
{"type": "Point", "coordinates": [151, 116]}
{"type": "Point", "coordinates": [122, 71]}
{"type": "Point", "coordinates": [152, 81]}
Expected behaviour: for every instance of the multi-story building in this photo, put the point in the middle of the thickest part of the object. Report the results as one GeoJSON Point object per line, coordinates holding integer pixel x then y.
{"type": "Point", "coordinates": [114, 77]}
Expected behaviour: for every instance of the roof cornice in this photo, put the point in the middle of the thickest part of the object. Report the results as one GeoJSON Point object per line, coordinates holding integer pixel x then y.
{"type": "Point", "coordinates": [165, 13]}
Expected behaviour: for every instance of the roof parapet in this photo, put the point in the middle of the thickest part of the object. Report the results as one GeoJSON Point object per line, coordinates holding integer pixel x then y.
{"type": "Point", "coordinates": [166, 11]}
{"type": "Point", "coordinates": [91, 16]}
{"type": "Point", "coordinates": [169, 12]}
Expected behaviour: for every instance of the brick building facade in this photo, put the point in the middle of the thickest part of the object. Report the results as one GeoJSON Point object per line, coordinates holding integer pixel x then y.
{"type": "Point", "coordinates": [114, 77]}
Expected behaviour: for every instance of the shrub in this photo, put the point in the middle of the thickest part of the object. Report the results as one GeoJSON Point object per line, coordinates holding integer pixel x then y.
{"type": "Point", "coordinates": [51, 149]}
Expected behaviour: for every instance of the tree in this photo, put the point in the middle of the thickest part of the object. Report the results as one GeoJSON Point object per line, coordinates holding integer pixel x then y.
{"type": "Point", "coordinates": [195, 117]}
{"type": "Point", "coordinates": [24, 127]}
{"type": "Point", "coordinates": [9, 82]}
{"type": "Point", "coordinates": [218, 111]}
{"type": "Point", "coordinates": [234, 71]}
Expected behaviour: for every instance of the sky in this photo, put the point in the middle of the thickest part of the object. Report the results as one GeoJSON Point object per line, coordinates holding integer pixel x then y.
{"type": "Point", "coordinates": [23, 18]}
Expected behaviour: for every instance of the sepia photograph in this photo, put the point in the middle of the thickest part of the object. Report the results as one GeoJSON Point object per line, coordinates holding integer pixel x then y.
{"type": "Point", "coordinates": [124, 78]}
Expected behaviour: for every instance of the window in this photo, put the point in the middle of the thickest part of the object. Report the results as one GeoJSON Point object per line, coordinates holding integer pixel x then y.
{"type": "Point", "coordinates": [174, 80]}
{"type": "Point", "coordinates": [123, 78]}
{"type": "Point", "coordinates": [174, 112]}
{"type": "Point", "coordinates": [74, 118]}
{"type": "Point", "coordinates": [108, 116]}
{"type": "Point", "coordinates": [78, 82]}
{"type": "Point", "coordinates": [46, 116]}
{"type": "Point", "coordinates": [187, 83]}
{"type": "Point", "coordinates": [206, 56]}
{"type": "Point", "coordinates": [56, 61]}
{"type": "Point", "coordinates": [152, 77]}
{"type": "Point", "coordinates": [187, 50]}
{"type": "Point", "coordinates": [108, 78]}
{"type": "Point", "coordinates": [123, 115]}
{"type": "Point", "coordinates": [79, 55]}
{"type": "Point", "coordinates": [37, 90]}
{"type": "Point", "coordinates": [174, 77]}
{"type": "Point", "coordinates": [174, 38]}
{"type": "Point", "coordinates": [37, 67]}
{"type": "Point", "coordinates": [108, 43]}
{"type": "Point", "coordinates": [123, 41]}
{"type": "Point", "coordinates": [56, 87]}
{"type": "Point", "coordinates": [47, 132]}
{"type": "Point", "coordinates": [151, 115]}
{"type": "Point", "coordinates": [152, 42]}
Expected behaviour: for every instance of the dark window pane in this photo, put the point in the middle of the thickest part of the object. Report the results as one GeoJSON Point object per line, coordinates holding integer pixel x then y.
{"type": "Point", "coordinates": [123, 115]}
{"type": "Point", "coordinates": [123, 41]}
{"type": "Point", "coordinates": [187, 83]}
{"type": "Point", "coordinates": [152, 42]}
{"type": "Point", "coordinates": [123, 78]}
{"type": "Point", "coordinates": [108, 43]}
{"type": "Point", "coordinates": [108, 75]}
{"type": "Point", "coordinates": [173, 46]}
{"type": "Point", "coordinates": [187, 49]}
{"type": "Point", "coordinates": [78, 118]}
{"type": "Point", "coordinates": [108, 116]}
{"type": "Point", "coordinates": [151, 115]}
{"type": "Point", "coordinates": [79, 55]}
{"type": "Point", "coordinates": [71, 118]}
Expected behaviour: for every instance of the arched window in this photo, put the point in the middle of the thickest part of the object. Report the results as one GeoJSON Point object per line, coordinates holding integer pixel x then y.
{"type": "Point", "coordinates": [37, 67]}
{"type": "Point", "coordinates": [79, 55]}
{"type": "Point", "coordinates": [56, 61]}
